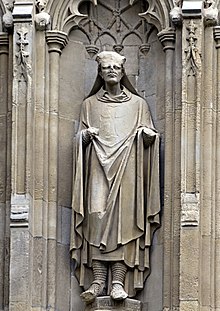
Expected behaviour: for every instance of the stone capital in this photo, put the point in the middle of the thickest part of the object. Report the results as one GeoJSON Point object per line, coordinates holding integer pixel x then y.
{"type": "Point", "coordinates": [56, 40]}
{"type": "Point", "coordinates": [192, 9]}
{"type": "Point", "coordinates": [22, 12]}
{"type": "Point", "coordinates": [167, 38]}
{"type": "Point", "coordinates": [216, 31]}
{"type": "Point", "coordinates": [4, 42]}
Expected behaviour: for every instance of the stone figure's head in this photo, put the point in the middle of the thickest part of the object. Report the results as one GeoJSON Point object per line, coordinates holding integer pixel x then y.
{"type": "Point", "coordinates": [110, 66]}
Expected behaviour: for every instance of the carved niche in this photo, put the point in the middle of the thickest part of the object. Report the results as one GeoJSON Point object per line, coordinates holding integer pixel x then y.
{"type": "Point", "coordinates": [110, 25]}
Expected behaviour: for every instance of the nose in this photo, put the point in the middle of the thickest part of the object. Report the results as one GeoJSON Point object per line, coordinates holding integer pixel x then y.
{"type": "Point", "coordinates": [111, 67]}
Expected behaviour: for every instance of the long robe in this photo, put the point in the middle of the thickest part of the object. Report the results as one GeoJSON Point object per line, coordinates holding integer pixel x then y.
{"type": "Point", "coordinates": [116, 195]}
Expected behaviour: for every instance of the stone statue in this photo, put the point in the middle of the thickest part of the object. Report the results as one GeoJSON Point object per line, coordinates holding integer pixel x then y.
{"type": "Point", "coordinates": [116, 196]}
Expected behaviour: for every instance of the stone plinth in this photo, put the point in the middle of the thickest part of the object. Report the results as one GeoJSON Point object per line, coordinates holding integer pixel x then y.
{"type": "Point", "coordinates": [106, 303]}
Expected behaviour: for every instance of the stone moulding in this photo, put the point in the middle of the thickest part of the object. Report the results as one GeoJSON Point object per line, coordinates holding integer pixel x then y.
{"type": "Point", "coordinates": [56, 41]}
{"type": "Point", "coordinates": [94, 29]}
{"type": "Point", "coordinates": [190, 210]}
{"type": "Point", "coordinates": [192, 9]}
{"type": "Point", "coordinates": [19, 210]}
{"type": "Point", "coordinates": [22, 12]}
{"type": "Point", "coordinates": [4, 43]}
{"type": "Point", "coordinates": [66, 14]}
{"type": "Point", "coordinates": [157, 14]}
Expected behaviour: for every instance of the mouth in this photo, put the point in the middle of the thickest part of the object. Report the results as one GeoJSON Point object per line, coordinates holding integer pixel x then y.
{"type": "Point", "coordinates": [112, 75]}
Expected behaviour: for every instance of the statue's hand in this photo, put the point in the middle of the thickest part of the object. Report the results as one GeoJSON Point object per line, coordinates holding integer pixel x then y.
{"type": "Point", "coordinates": [149, 136]}
{"type": "Point", "coordinates": [89, 133]}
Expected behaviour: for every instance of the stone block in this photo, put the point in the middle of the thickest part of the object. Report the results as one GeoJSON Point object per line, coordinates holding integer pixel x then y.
{"type": "Point", "coordinates": [63, 225]}
{"type": "Point", "coordinates": [65, 158]}
{"type": "Point", "coordinates": [36, 221]}
{"type": "Point", "coordinates": [76, 302]}
{"type": "Point", "coordinates": [151, 296]}
{"type": "Point", "coordinates": [189, 264]}
{"type": "Point", "coordinates": [189, 306]}
{"type": "Point", "coordinates": [63, 277]}
{"type": "Point", "coordinates": [38, 246]}
{"type": "Point", "coordinates": [19, 268]}
{"type": "Point", "coordinates": [72, 80]}
{"type": "Point", "coordinates": [106, 303]}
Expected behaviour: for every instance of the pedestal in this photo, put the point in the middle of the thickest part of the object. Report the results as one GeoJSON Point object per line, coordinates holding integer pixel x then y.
{"type": "Point", "coordinates": [106, 303]}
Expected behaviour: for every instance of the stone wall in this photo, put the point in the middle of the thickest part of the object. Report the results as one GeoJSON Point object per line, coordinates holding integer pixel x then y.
{"type": "Point", "coordinates": [47, 67]}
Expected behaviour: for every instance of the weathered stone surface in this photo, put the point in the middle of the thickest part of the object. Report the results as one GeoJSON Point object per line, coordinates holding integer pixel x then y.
{"type": "Point", "coordinates": [44, 91]}
{"type": "Point", "coordinates": [106, 303]}
{"type": "Point", "coordinates": [19, 268]}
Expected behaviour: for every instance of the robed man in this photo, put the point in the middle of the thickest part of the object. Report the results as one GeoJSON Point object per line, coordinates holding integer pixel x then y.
{"type": "Point", "coordinates": [116, 195]}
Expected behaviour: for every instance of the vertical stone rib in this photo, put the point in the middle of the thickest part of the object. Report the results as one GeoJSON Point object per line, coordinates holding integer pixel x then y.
{"type": "Point", "coordinates": [167, 38]}
{"type": "Point", "coordinates": [4, 42]}
{"type": "Point", "coordinates": [190, 165]}
{"type": "Point", "coordinates": [37, 249]}
{"type": "Point", "coordinates": [207, 180]}
{"type": "Point", "coordinates": [177, 166]}
{"type": "Point", "coordinates": [56, 41]}
{"type": "Point", "coordinates": [21, 158]}
{"type": "Point", "coordinates": [217, 188]}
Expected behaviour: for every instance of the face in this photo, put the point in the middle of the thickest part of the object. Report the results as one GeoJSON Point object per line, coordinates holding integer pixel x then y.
{"type": "Point", "coordinates": [111, 72]}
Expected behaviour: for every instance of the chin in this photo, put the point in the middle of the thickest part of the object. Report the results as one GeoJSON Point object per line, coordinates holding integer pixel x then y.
{"type": "Point", "coordinates": [112, 81]}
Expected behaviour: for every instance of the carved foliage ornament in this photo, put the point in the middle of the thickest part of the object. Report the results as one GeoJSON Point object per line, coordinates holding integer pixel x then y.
{"type": "Point", "coordinates": [22, 55]}
{"type": "Point", "coordinates": [192, 59]}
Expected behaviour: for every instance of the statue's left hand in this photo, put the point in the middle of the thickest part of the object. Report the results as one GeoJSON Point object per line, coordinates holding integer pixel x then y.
{"type": "Point", "coordinates": [149, 136]}
{"type": "Point", "coordinates": [88, 134]}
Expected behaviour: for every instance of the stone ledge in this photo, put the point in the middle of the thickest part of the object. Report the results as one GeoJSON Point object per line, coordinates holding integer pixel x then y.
{"type": "Point", "coordinates": [106, 303]}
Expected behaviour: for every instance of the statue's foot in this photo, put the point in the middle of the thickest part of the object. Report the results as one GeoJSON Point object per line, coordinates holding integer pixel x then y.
{"type": "Point", "coordinates": [118, 292]}
{"type": "Point", "coordinates": [96, 289]}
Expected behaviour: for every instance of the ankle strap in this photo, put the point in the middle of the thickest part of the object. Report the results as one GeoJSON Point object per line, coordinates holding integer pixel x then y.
{"type": "Point", "coordinates": [99, 282]}
{"type": "Point", "coordinates": [118, 282]}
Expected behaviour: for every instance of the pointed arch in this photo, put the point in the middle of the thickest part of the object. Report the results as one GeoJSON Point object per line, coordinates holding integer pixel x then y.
{"type": "Point", "coordinates": [2, 7]}
{"type": "Point", "coordinates": [2, 12]}
{"type": "Point", "coordinates": [65, 14]}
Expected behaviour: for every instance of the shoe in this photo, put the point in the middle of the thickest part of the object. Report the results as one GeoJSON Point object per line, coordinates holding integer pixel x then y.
{"type": "Point", "coordinates": [96, 289]}
{"type": "Point", "coordinates": [117, 291]}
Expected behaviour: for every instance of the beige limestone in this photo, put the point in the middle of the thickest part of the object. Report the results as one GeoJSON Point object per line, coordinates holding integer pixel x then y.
{"type": "Point", "coordinates": [38, 151]}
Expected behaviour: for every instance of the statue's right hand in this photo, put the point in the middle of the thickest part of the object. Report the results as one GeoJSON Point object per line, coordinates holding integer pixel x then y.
{"type": "Point", "coordinates": [89, 133]}
{"type": "Point", "coordinates": [92, 131]}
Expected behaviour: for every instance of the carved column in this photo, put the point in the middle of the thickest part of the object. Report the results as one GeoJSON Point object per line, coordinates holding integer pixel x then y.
{"type": "Point", "coordinates": [217, 177]}
{"type": "Point", "coordinates": [22, 139]}
{"type": "Point", "coordinates": [190, 158]}
{"type": "Point", "coordinates": [56, 42]}
{"type": "Point", "coordinates": [38, 215]}
{"type": "Point", "coordinates": [208, 207]}
{"type": "Point", "coordinates": [167, 38]}
{"type": "Point", "coordinates": [4, 169]}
